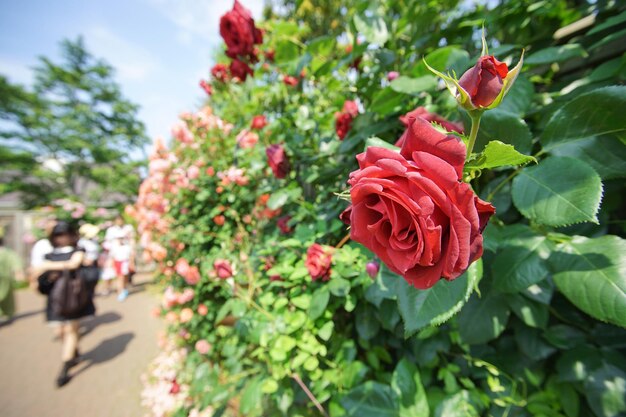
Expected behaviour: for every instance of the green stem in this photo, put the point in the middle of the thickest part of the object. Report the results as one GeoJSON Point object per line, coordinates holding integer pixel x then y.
{"type": "Point", "coordinates": [475, 116]}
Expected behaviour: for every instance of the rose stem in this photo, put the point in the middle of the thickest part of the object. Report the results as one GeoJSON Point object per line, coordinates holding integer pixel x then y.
{"type": "Point", "coordinates": [475, 116]}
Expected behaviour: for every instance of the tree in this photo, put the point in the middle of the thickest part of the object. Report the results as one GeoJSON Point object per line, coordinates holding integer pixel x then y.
{"type": "Point", "coordinates": [72, 134]}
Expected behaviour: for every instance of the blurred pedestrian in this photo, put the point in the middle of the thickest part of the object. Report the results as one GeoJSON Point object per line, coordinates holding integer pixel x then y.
{"type": "Point", "coordinates": [67, 302]}
{"type": "Point", "coordinates": [10, 270]}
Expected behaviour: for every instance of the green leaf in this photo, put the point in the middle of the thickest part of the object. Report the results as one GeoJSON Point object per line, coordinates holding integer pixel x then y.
{"type": "Point", "coordinates": [421, 308]}
{"type": "Point", "coordinates": [569, 399]}
{"type": "Point", "coordinates": [372, 28]}
{"type": "Point", "coordinates": [302, 301]}
{"type": "Point", "coordinates": [407, 384]}
{"type": "Point", "coordinates": [556, 54]}
{"type": "Point", "coordinates": [532, 313]}
{"type": "Point", "coordinates": [457, 405]}
{"type": "Point", "coordinates": [483, 319]}
{"type": "Point", "coordinates": [413, 86]}
{"type": "Point", "coordinates": [517, 267]}
{"type": "Point", "coordinates": [591, 273]}
{"type": "Point", "coordinates": [386, 101]}
{"type": "Point", "coordinates": [383, 287]}
{"type": "Point", "coordinates": [286, 51]}
{"type": "Point", "coordinates": [599, 112]}
{"type": "Point", "coordinates": [519, 98]}
{"type": "Point", "coordinates": [319, 301]}
{"type": "Point", "coordinates": [371, 399]}
{"type": "Point", "coordinates": [282, 196]}
{"type": "Point", "coordinates": [379, 143]}
{"type": "Point", "coordinates": [367, 326]}
{"type": "Point", "coordinates": [558, 192]}
{"type": "Point", "coordinates": [338, 286]}
{"type": "Point", "coordinates": [606, 154]}
{"type": "Point", "coordinates": [505, 127]}
{"type": "Point", "coordinates": [251, 397]}
{"type": "Point", "coordinates": [606, 391]}
{"type": "Point", "coordinates": [498, 154]}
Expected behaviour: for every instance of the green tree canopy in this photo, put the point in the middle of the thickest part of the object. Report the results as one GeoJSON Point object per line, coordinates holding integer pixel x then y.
{"type": "Point", "coordinates": [72, 133]}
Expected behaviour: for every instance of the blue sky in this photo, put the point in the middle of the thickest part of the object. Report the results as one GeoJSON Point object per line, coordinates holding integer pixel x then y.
{"type": "Point", "coordinates": [159, 48]}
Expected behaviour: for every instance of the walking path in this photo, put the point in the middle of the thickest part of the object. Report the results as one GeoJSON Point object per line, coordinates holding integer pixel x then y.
{"type": "Point", "coordinates": [117, 345]}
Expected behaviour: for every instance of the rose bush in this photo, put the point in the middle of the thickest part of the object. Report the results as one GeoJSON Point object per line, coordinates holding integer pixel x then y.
{"type": "Point", "coordinates": [291, 317]}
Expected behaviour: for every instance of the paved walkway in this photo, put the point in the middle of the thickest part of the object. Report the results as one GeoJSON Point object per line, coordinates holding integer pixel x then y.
{"type": "Point", "coordinates": [117, 345]}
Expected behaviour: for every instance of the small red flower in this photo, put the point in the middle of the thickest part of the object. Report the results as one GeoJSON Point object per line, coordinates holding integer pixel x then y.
{"type": "Point", "coordinates": [283, 225]}
{"type": "Point", "coordinates": [223, 268]}
{"type": "Point", "coordinates": [258, 122]}
{"type": "Point", "coordinates": [206, 87]}
{"type": "Point", "coordinates": [220, 72]}
{"type": "Point", "coordinates": [278, 160]}
{"type": "Point", "coordinates": [484, 81]}
{"type": "Point", "coordinates": [290, 80]}
{"type": "Point", "coordinates": [240, 69]}
{"type": "Point", "coordinates": [318, 262]}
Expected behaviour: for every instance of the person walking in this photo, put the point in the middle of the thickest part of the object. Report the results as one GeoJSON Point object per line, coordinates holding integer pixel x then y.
{"type": "Point", "coordinates": [68, 300]}
{"type": "Point", "coordinates": [122, 256]}
{"type": "Point", "coordinates": [10, 270]}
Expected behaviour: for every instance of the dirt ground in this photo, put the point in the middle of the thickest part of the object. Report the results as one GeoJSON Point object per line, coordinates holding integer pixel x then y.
{"type": "Point", "coordinates": [117, 345]}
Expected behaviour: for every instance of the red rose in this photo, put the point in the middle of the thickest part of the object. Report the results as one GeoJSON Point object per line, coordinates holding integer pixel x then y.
{"type": "Point", "coordinates": [219, 220]}
{"type": "Point", "coordinates": [283, 225]}
{"type": "Point", "coordinates": [206, 87]}
{"type": "Point", "coordinates": [318, 262]}
{"type": "Point", "coordinates": [343, 124]}
{"type": "Point", "coordinates": [239, 33]}
{"type": "Point", "coordinates": [258, 122]}
{"type": "Point", "coordinates": [278, 160]}
{"type": "Point", "coordinates": [411, 209]}
{"type": "Point", "coordinates": [223, 268]}
{"type": "Point", "coordinates": [220, 72]}
{"type": "Point", "coordinates": [290, 80]}
{"type": "Point", "coordinates": [350, 107]}
{"type": "Point", "coordinates": [483, 82]}
{"type": "Point", "coordinates": [431, 117]}
{"type": "Point", "coordinates": [240, 69]}
{"type": "Point", "coordinates": [175, 388]}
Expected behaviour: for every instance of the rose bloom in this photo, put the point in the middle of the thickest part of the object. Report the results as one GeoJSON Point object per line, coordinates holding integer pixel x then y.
{"type": "Point", "coordinates": [247, 139]}
{"type": "Point", "coordinates": [283, 224]}
{"type": "Point", "coordinates": [210, 171]}
{"type": "Point", "coordinates": [318, 262]}
{"type": "Point", "coordinates": [171, 317]}
{"type": "Point", "coordinates": [206, 87]}
{"type": "Point", "coordinates": [278, 160]}
{"type": "Point", "coordinates": [193, 172]}
{"type": "Point", "coordinates": [223, 268]}
{"type": "Point", "coordinates": [343, 124]}
{"type": "Point", "coordinates": [239, 33]}
{"type": "Point", "coordinates": [220, 72]}
{"type": "Point", "coordinates": [240, 69]}
{"type": "Point", "coordinates": [203, 347]}
{"type": "Point", "coordinates": [290, 80]}
{"type": "Point", "coordinates": [431, 117]}
{"type": "Point", "coordinates": [258, 122]}
{"type": "Point", "coordinates": [186, 314]}
{"type": "Point", "coordinates": [219, 220]}
{"type": "Point", "coordinates": [203, 310]}
{"type": "Point", "coordinates": [412, 210]}
{"type": "Point", "coordinates": [483, 82]}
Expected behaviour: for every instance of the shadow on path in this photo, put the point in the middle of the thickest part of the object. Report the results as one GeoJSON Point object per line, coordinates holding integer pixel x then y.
{"type": "Point", "coordinates": [22, 316]}
{"type": "Point", "coordinates": [105, 351]}
{"type": "Point", "coordinates": [92, 323]}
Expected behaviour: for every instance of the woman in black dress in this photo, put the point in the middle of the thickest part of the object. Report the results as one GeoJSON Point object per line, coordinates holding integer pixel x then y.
{"type": "Point", "coordinates": [65, 256]}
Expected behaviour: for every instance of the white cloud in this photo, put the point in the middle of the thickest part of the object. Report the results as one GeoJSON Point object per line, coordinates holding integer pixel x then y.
{"type": "Point", "coordinates": [200, 19]}
{"type": "Point", "coordinates": [132, 62]}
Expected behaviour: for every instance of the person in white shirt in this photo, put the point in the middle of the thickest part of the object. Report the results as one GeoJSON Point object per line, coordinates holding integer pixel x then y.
{"type": "Point", "coordinates": [39, 251]}
{"type": "Point", "coordinates": [120, 258]}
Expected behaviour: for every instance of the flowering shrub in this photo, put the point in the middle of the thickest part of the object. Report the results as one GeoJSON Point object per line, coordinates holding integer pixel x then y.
{"type": "Point", "coordinates": [497, 188]}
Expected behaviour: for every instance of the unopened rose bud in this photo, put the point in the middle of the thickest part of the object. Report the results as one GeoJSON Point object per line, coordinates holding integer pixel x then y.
{"type": "Point", "coordinates": [372, 269]}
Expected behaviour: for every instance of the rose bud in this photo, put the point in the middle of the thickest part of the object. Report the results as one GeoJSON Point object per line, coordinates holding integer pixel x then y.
{"type": "Point", "coordinates": [223, 268]}
{"type": "Point", "coordinates": [392, 75]}
{"type": "Point", "coordinates": [484, 85]}
{"type": "Point", "coordinates": [258, 122]}
{"type": "Point", "coordinates": [318, 261]}
{"type": "Point", "coordinates": [372, 269]}
{"type": "Point", "coordinates": [484, 81]}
